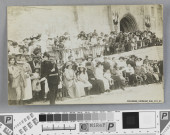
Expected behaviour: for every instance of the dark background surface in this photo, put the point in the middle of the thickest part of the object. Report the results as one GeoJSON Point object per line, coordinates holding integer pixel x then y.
{"type": "Point", "coordinates": [5, 108]}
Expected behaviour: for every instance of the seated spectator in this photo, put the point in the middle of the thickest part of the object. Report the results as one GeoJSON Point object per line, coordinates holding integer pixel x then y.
{"type": "Point", "coordinates": [107, 75]}
{"type": "Point", "coordinates": [97, 85]}
{"type": "Point", "coordinates": [139, 62]}
{"type": "Point", "coordinates": [130, 73]}
{"type": "Point", "coordinates": [100, 76]}
{"type": "Point", "coordinates": [106, 64]}
{"type": "Point", "coordinates": [83, 78]}
{"type": "Point", "coordinates": [156, 72]}
{"type": "Point", "coordinates": [149, 73]}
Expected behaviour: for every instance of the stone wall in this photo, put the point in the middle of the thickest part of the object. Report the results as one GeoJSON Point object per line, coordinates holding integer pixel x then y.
{"type": "Point", "coordinates": [25, 21]}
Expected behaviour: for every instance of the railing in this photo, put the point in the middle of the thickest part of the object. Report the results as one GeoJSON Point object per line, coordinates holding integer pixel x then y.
{"type": "Point", "coordinates": [85, 51]}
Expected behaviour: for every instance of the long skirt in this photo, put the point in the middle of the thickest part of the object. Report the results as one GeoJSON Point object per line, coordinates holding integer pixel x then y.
{"type": "Point", "coordinates": [106, 83]}
{"type": "Point", "coordinates": [97, 86]}
{"type": "Point", "coordinates": [72, 91]}
{"type": "Point", "coordinates": [11, 93]}
{"type": "Point", "coordinates": [79, 89]}
{"type": "Point", "coordinates": [27, 92]}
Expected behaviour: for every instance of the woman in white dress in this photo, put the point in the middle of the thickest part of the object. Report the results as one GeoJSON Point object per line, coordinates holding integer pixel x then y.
{"type": "Point", "coordinates": [27, 92]}
{"type": "Point", "coordinates": [69, 80]}
{"type": "Point", "coordinates": [16, 81]}
{"type": "Point", "coordinates": [82, 77]}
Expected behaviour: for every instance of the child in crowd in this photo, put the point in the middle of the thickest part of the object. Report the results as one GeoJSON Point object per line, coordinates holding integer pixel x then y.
{"type": "Point", "coordinates": [36, 87]}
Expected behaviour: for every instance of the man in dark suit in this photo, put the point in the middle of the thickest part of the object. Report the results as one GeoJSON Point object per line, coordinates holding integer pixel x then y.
{"type": "Point", "coordinates": [45, 71]}
{"type": "Point", "coordinates": [53, 80]}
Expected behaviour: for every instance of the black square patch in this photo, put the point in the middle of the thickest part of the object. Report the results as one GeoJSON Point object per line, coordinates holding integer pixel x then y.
{"type": "Point", "coordinates": [130, 120]}
{"type": "Point", "coordinates": [42, 117]}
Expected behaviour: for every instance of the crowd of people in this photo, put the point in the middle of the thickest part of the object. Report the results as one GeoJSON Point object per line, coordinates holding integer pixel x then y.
{"type": "Point", "coordinates": [84, 44]}
{"type": "Point", "coordinates": [37, 74]}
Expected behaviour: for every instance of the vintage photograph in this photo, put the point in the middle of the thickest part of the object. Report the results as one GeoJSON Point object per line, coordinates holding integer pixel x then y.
{"type": "Point", "coordinates": [107, 54]}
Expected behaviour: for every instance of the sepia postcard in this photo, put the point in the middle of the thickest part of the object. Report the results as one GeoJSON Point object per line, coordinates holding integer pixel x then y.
{"type": "Point", "coordinates": [107, 54]}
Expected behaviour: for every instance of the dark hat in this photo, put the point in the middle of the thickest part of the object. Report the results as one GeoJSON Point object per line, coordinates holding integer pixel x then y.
{"type": "Point", "coordinates": [112, 32]}
{"type": "Point", "coordinates": [98, 63]}
{"type": "Point", "coordinates": [70, 56]}
{"type": "Point", "coordinates": [46, 55]}
{"type": "Point", "coordinates": [35, 56]}
{"type": "Point", "coordinates": [10, 41]}
{"type": "Point", "coordinates": [14, 43]}
{"type": "Point", "coordinates": [121, 58]}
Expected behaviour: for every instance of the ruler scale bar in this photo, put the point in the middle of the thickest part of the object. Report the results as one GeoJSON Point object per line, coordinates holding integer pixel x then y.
{"type": "Point", "coordinates": [140, 122]}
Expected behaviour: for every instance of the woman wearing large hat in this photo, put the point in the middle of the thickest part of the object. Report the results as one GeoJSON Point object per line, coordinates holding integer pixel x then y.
{"type": "Point", "coordinates": [27, 92]}
{"type": "Point", "coordinates": [90, 60]}
{"type": "Point", "coordinates": [69, 80]}
{"type": "Point", "coordinates": [82, 77]}
{"type": "Point", "coordinates": [16, 81]}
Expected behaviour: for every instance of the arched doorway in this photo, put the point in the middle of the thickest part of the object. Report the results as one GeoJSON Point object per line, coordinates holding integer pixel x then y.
{"type": "Point", "coordinates": [128, 23]}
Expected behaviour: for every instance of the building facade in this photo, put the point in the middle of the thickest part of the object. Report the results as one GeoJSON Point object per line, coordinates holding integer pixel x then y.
{"type": "Point", "coordinates": [55, 20]}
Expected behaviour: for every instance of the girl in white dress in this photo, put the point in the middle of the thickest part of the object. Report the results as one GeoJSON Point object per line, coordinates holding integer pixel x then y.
{"type": "Point", "coordinates": [36, 87]}
{"type": "Point", "coordinates": [83, 78]}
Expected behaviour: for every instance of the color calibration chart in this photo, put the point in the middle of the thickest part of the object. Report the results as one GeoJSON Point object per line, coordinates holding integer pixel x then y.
{"type": "Point", "coordinates": [144, 122]}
